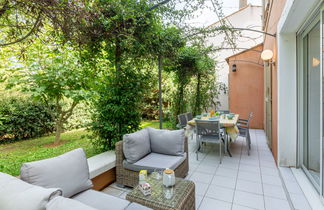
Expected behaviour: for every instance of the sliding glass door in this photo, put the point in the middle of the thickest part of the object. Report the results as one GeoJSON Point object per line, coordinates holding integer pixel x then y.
{"type": "Point", "coordinates": [310, 110]}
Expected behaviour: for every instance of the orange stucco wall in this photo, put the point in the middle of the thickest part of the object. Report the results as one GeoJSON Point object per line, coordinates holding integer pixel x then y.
{"type": "Point", "coordinates": [246, 86]}
{"type": "Point", "coordinates": [275, 10]}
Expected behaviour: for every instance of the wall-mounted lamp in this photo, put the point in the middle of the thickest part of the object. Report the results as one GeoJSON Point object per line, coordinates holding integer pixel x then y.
{"type": "Point", "coordinates": [267, 56]}
{"type": "Point", "coordinates": [234, 68]}
{"type": "Point", "coordinates": [316, 62]}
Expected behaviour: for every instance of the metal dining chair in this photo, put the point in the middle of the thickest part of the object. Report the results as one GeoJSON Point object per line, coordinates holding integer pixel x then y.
{"type": "Point", "coordinates": [223, 111]}
{"type": "Point", "coordinates": [244, 130]}
{"type": "Point", "coordinates": [182, 121]}
{"type": "Point", "coordinates": [189, 116]}
{"type": "Point", "coordinates": [208, 132]}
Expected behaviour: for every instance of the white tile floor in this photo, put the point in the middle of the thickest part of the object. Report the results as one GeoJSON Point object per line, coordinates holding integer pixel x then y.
{"type": "Point", "coordinates": [295, 193]}
{"type": "Point", "coordinates": [241, 182]}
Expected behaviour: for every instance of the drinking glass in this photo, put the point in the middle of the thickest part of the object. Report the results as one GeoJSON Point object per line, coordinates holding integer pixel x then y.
{"type": "Point", "coordinates": [157, 174]}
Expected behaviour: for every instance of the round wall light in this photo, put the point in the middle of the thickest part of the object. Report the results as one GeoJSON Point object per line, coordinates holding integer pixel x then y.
{"type": "Point", "coordinates": [267, 55]}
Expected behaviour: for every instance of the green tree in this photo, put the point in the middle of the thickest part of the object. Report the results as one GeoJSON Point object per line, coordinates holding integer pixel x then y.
{"type": "Point", "coordinates": [184, 65]}
{"type": "Point", "coordinates": [53, 74]}
{"type": "Point", "coordinates": [125, 40]}
{"type": "Point", "coordinates": [206, 89]}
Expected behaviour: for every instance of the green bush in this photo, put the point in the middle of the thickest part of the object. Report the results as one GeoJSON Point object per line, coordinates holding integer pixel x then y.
{"type": "Point", "coordinates": [80, 118]}
{"type": "Point", "coordinates": [118, 109]}
{"type": "Point", "coordinates": [23, 118]}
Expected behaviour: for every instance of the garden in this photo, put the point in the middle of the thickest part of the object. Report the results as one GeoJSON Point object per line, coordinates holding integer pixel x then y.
{"type": "Point", "coordinates": [84, 73]}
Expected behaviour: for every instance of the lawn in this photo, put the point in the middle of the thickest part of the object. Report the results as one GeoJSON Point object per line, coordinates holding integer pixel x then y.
{"type": "Point", "coordinates": [156, 124]}
{"type": "Point", "coordinates": [14, 154]}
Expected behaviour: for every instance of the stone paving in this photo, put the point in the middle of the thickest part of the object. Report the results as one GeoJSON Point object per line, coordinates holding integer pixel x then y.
{"type": "Point", "coordinates": [241, 182]}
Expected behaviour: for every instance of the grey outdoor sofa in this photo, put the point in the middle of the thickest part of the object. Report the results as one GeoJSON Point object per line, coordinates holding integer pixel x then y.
{"type": "Point", "coordinates": [59, 183]}
{"type": "Point", "coordinates": [150, 149]}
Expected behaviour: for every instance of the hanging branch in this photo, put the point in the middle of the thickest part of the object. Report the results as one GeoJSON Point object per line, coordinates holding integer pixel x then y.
{"type": "Point", "coordinates": [36, 24]}
{"type": "Point", "coordinates": [159, 4]}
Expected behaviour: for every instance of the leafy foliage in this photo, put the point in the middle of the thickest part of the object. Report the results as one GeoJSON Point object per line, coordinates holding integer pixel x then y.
{"type": "Point", "coordinates": [23, 118]}
{"type": "Point", "coordinates": [53, 75]}
{"type": "Point", "coordinates": [81, 117]}
{"type": "Point", "coordinates": [103, 51]}
{"type": "Point", "coordinates": [184, 66]}
{"type": "Point", "coordinates": [206, 89]}
{"type": "Point", "coordinates": [118, 109]}
{"type": "Point", "coordinates": [195, 80]}
{"type": "Point", "coordinates": [131, 50]}
{"type": "Point", "coordinates": [21, 20]}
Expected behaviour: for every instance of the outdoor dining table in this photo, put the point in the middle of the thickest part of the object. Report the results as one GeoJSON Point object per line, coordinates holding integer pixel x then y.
{"type": "Point", "coordinates": [229, 125]}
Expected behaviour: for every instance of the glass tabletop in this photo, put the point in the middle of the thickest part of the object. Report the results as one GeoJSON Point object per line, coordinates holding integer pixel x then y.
{"type": "Point", "coordinates": [160, 195]}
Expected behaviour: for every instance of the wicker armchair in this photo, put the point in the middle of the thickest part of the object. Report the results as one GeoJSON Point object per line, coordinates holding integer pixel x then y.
{"type": "Point", "coordinates": [129, 178]}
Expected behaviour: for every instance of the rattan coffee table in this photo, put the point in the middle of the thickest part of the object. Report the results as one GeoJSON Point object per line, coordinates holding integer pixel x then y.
{"type": "Point", "coordinates": [180, 197]}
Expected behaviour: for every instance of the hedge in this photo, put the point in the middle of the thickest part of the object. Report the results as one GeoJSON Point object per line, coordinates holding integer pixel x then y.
{"type": "Point", "coordinates": [23, 118]}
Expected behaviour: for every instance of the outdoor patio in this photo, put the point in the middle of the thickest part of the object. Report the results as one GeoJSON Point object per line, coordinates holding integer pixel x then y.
{"type": "Point", "coordinates": [241, 182]}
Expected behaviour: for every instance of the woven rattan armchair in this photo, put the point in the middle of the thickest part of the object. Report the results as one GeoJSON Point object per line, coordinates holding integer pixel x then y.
{"type": "Point", "coordinates": [125, 177]}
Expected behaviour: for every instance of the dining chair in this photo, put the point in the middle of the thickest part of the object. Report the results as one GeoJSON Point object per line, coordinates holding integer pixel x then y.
{"type": "Point", "coordinates": [208, 131]}
{"type": "Point", "coordinates": [189, 116]}
{"type": "Point", "coordinates": [182, 121]}
{"type": "Point", "coordinates": [244, 130]}
{"type": "Point", "coordinates": [223, 111]}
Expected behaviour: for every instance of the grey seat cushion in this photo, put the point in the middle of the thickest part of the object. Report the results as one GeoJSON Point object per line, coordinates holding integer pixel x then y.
{"type": "Point", "coordinates": [136, 206]}
{"type": "Point", "coordinates": [69, 172]}
{"type": "Point", "coordinates": [101, 201]}
{"type": "Point", "coordinates": [62, 203]}
{"type": "Point", "coordinates": [156, 161]}
{"type": "Point", "coordinates": [136, 145]}
{"type": "Point", "coordinates": [16, 194]}
{"type": "Point", "coordinates": [167, 142]}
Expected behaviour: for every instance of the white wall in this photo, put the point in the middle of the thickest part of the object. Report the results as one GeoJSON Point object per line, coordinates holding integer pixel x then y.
{"type": "Point", "coordinates": [249, 17]}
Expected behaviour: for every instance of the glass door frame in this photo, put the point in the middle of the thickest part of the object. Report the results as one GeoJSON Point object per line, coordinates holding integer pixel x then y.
{"type": "Point", "coordinates": [302, 89]}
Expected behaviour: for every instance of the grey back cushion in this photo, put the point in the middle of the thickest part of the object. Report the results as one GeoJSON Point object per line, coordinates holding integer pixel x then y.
{"type": "Point", "coordinates": [136, 145]}
{"type": "Point", "coordinates": [16, 194]}
{"type": "Point", "coordinates": [62, 203]}
{"type": "Point", "coordinates": [167, 142]}
{"type": "Point", "coordinates": [69, 172]}
{"type": "Point", "coordinates": [100, 200]}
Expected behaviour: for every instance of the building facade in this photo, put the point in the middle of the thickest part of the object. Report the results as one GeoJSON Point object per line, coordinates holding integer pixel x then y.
{"type": "Point", "coordinates": [245, 85]}
{"type": "Point", "coordinates": [248, 16]}
{"type": "Point", "coordinates": [294, 90]}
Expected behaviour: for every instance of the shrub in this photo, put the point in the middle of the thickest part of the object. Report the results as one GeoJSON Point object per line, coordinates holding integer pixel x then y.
{"type": "Point", "coordinates": [80, 118]}
{"type": "Point", "coordinates": [118, 109]}
{"type": "Point", "coordinates": [22, 118]}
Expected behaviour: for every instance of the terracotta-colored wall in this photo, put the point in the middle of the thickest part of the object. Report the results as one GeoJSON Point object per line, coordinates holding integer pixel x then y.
{"type": "Point", "coordinates": [275, 11]}
{"type": "Point", "coordinates": [246, 86]}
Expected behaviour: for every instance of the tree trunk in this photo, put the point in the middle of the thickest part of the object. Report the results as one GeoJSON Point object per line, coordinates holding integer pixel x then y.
{"type": "Point", "coordinates": [118, 60]}
{"type": "Point", "coordinates": [118, 54]}
{"type": "Point", "coordinates": [63, 116]}
{"type": "Point", "coordinates": [181, 97]}
{"type": "Point", "coordinates": [198, 102]}
{"type": "Point", "coordinates": [59, 129]}
{"type": "Point", "coordinates": [160, 92]}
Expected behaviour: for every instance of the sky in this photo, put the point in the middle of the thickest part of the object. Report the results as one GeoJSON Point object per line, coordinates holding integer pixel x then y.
{"type": "Point", "coordinates": [207, 17]}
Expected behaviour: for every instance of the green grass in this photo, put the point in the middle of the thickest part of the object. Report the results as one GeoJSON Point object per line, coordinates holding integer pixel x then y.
{"type": "Point", "coordinates": [13, 155]}
{"type": "Point", "coordinates": [156, 124]}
